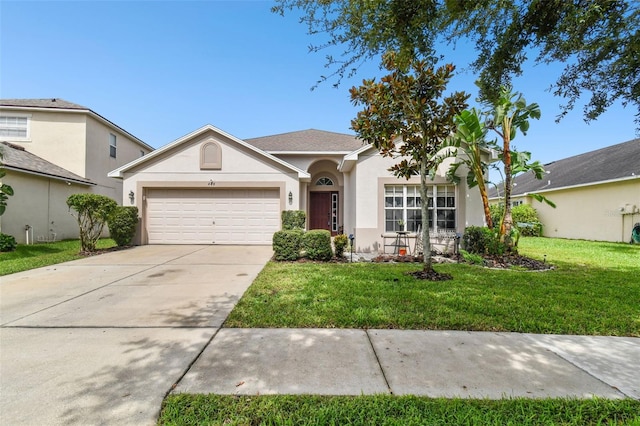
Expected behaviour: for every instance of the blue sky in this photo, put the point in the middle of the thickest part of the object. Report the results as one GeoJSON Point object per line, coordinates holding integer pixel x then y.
{"type": "Point", "coordinates": [161, 69]}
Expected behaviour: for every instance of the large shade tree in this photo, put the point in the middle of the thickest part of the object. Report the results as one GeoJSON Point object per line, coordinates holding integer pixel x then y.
{"type": "Point", "coordinates": [596, 41]}
{"type": "Point", "coordinates": [407, 116]}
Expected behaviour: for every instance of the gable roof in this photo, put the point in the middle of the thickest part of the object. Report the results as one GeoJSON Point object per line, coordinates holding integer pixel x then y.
{"type": "Point", "coordinates": [17, 158]}
{"type": "Point", "coordinates": [63, 105]}
{"type": "Point", "coordinates": [307, 141]}
{"type": "Point", "coordinates": [614, 163]}
{"type": "Point", "coordinates": [119, 172]}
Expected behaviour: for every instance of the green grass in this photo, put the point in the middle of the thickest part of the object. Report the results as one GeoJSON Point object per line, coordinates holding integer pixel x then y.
{"type": "Point", "coordinates": [392, 410]}
{"type": "Point", "coordinates": [33, 256]}
{"type": "Point", "coordinates": [595, 290]}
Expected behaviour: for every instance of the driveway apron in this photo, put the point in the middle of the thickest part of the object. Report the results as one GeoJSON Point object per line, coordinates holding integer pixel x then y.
{"type": "Point", "coordinates": [101, 340]}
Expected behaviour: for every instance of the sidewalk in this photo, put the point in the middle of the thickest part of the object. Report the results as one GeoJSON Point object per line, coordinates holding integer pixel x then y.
{"type": "Point", "coordinates": [429, 363]}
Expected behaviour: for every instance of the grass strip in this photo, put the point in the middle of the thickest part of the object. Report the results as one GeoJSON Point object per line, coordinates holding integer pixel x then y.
{"type": "Point", "coordinates": [185, 409]}
{"type": "Point", "coordinates": [33, 256]}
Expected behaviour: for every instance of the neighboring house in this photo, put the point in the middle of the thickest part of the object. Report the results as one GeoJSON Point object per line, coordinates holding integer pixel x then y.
{"type": "Point", "coordinates": [210, 187]}
{"type": "Point", "coordinates": [62, 141]}
{"type": "Point", "coordinates": [597, 194]}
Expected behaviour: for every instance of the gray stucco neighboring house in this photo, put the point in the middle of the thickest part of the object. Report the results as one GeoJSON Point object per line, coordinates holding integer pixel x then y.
{"type": "Point", "coordinates": [37, 211]}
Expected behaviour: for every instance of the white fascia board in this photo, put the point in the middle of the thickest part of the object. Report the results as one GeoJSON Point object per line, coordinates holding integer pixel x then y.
{"type": "Point", "coordinates": [50, 176]}
{"type": "Point", "coordinates": [349, 160]}
{"type": "Point", "coordinates": [119, 172]}
{"type": "Point", "coordinates": [560, 188]}
{"type": "Point", "coordinates": [308, 152]}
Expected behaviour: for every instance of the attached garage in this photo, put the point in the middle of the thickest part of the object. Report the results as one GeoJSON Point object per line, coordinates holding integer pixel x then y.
{"type": "Point", "coordinates": [209, 187]}
{"type": "Point", "coordinates": [212, 216]}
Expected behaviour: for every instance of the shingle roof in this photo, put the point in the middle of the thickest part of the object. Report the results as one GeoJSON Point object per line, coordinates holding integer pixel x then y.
{"type": "Point", "coordinates": [611, 163]}
{"type": "Point", "coordinates": [42, 103]}
{"type": "Point", "coordinates": [311, 140]}
{"type": "Point", "coordinates": [15, 157]}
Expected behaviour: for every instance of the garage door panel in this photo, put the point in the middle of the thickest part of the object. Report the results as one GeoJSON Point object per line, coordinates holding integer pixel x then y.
{"type": "Point", "coordinates": [220, 216]}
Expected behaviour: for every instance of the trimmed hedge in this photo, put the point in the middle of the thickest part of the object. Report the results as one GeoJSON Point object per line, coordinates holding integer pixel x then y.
{"type": "Point", "coordinates": [287, 244]}
{"type": "Point", "coordinates": [122, 224]}
{"type": "Point", "coordinates": [293, 219]}
{"type": "Point", "coordinates": [317, 244]}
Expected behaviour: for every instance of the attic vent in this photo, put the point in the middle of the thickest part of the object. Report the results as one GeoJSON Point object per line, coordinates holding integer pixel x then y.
{"type": "Point", "coordinates": [210, 156]}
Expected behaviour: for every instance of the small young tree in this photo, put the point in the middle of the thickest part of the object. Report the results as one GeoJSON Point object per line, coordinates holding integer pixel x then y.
{"type": "Point", "coordinates": [510, 114]}
{"type": "Point", "coordinates": [405, 115]}
{"type": "Point", "coordinates": [470, 137]}
{"type": "Point", "coordinates": [92, 213]}
{"type": "Point", "coordinates": [5, 190]}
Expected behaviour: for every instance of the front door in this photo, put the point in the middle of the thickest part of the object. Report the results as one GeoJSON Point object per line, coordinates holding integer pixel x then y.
{"type": "Point", "coordinates": [324, 211]}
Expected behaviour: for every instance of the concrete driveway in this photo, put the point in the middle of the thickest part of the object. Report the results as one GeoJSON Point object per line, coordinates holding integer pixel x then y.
{"type": "Point", "coordinates": [101, 340]}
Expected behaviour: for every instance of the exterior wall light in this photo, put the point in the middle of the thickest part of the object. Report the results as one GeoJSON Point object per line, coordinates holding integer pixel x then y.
{"type": "Point", "coordinates": [290, 197]}
{"type": "Point", "coordinates": [131, 196]}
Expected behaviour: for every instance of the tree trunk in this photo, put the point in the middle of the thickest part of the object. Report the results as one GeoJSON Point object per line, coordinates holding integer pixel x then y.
{"type": "Point", "coordinates": [426, 240]}
{"type": "Point", "coordinates": [483, 191]}
{"type": "Point", "coordinates": [507, 221]}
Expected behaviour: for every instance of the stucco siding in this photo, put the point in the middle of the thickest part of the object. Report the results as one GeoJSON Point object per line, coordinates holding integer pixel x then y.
{"type": "Point", "coordinates": [591, 212]}
{"type": "Point", "coordinates": [100, 163]}
{"type": "Point", "coordinates": [57, 137]}
{"type": "Point", "coordinates": [40, 203]}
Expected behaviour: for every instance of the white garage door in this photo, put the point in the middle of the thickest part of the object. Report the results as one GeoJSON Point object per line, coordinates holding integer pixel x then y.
{"type": "Point", "coordinates": [212, 216]}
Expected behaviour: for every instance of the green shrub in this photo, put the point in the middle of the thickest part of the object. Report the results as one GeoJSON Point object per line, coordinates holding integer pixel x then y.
{"type": "Point", "coordinates": [317, 244]}
{"type": "Point", "coordinates": [481, 240]}
{"type": "Point", "coordinates": [524, 213]}
{"type": "Point", "coordinates": [293, 219]}
{"type": "Point", "coordinates": [475, 239]}
{"type": "Point", "coordinates": [496, 211]}
{"type": "Point", "coordinates": [122, 224]}
{"type": "Point", "coordinates": [340, 242]}
{"type": "Point", "coordinates": [287, 244]}
{"type": "Point", "coordinates": [7, 243]}
{"type": "Point", "coordinates": [92, 213]}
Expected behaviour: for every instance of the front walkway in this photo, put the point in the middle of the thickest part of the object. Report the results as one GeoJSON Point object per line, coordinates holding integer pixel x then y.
{"type": "Point", "coordinates": [429, 363]}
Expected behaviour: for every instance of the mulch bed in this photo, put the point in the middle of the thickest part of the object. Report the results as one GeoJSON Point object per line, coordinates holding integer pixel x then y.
{"type": "Point", "coordinates": [509, 261]}
{"type": "Point", "coordinates": [102, 251]}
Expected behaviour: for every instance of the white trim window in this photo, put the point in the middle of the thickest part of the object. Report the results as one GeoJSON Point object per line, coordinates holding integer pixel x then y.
{"type": "Point", "coordinates": [403, 207]}
{"type": "Point", "coordinates": [113, 145]}
{"type": "Point", "coordinates": [15, 127]}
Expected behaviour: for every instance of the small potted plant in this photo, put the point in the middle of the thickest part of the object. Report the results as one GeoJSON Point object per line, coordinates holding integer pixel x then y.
{"type": "Point", "coordinates": [401, 225]}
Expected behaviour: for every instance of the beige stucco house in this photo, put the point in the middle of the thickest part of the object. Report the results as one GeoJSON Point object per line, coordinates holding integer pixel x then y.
{"type": "Point", "coordinates": [597, 194]}
{"type": "Point", "coordinates": [210, 187]}
{"type": "Point", "coordinates": [57, 148]}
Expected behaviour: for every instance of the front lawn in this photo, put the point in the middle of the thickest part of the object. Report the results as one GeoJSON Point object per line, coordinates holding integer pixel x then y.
{"type": "Point", "coordinates": [33, 256]}
{"type": "Point", "coordinates": [595, 290]}
{"type": "Point", "coordinates": [392, 410]}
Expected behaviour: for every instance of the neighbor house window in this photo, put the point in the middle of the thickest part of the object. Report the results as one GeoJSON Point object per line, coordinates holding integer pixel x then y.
{"type": "Point", "coordinates": [112, 145]}
{"type": "Point", "coordinates": [403, 207]}
{"type": "Point", "coordinates": [14, 126]}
